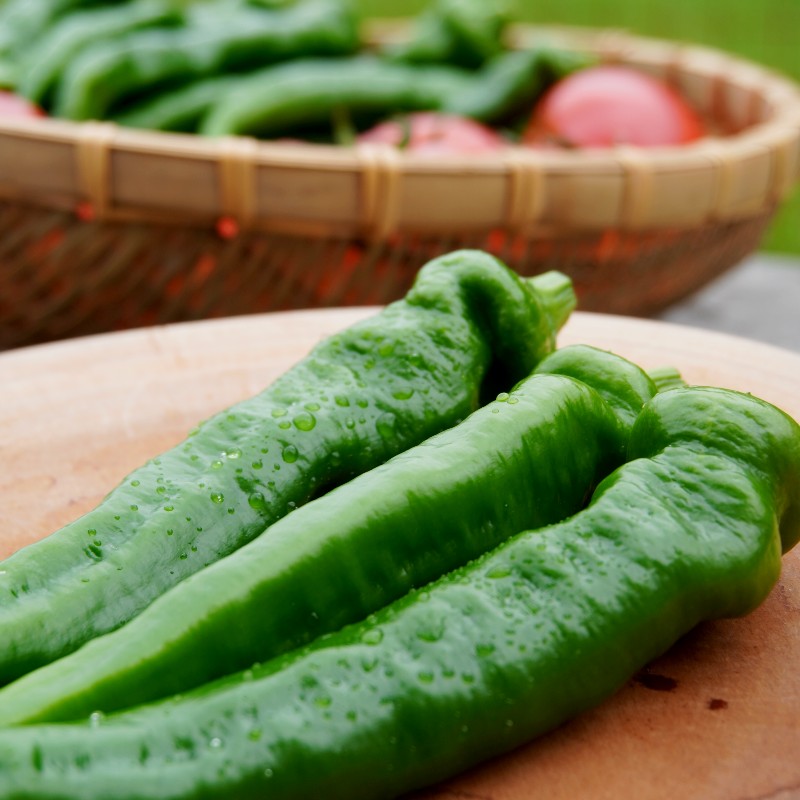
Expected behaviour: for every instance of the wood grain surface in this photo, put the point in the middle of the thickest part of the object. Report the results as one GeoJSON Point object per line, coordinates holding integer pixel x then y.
{"type": "Point", "coordinates": [717, 718]}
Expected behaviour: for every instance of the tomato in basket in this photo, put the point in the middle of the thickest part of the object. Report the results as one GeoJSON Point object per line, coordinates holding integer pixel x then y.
{"type": "Point", "coordinates": [434, 133]}
{"type": "Point", "coordinates": [12, 105]}
{"type": "Point", "coordinates": [607, 105]}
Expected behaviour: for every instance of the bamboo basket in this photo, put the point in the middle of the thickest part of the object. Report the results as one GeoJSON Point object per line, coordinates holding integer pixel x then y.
{"type": "Point", "coordinates": [105, 228]}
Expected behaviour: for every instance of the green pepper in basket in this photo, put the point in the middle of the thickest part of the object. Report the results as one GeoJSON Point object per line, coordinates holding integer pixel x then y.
{"type": "Point", "coordinates": [527, 461]}
{"type": "Point", "coordinates": [466, 33]}
{"type": "Point", "coordinates": [180, 110]}
{"type": "Point", "coordinates": [42, 66]}
{"type": "Point", "coordinates": [222, 37]}
{"type": "Point", "coordinates": [22, 22]}
{"type": "Point", "coordinates": [468, 325]}
{"type": "Point", "coordinates": [280, 99]}
{"type": "Point", "coordinates": [493, 654]}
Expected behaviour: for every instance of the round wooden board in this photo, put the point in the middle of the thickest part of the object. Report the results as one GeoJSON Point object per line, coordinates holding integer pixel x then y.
{"type": "Point", "coordinates": [717, 717]}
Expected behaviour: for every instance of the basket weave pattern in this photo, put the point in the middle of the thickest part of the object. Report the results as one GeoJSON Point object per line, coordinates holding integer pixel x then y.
{"type": "Point", "coordinates": [106, 229]}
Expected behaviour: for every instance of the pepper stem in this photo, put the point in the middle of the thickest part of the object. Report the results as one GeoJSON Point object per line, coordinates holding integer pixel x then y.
{"type": "Point", "coordinates": [666, 377]}
{"type": "Point", "coordinates": [557, 295]}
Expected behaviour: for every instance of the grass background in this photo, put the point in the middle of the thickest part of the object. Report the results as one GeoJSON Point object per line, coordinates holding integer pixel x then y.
{"type": "Point", "coordinates": [765, 31]}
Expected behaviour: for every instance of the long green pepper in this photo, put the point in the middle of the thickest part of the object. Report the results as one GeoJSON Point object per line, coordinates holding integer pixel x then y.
{"type": "Point", "coordinates": [468, 325]}
{"type": "Point", "coordinates": [522, 463]}
{"type": "Point", "coordinates": [497, 652]}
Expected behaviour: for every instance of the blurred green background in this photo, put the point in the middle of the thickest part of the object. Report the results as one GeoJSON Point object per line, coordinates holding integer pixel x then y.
{"type": "Point", "coordinates": [765, 31]}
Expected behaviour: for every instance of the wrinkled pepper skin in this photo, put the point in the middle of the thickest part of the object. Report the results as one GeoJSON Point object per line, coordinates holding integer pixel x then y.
{"type": "Point", "coordinates": [223, 38]}
{"type": "Point", "coordinates": [357, 399]}
{"type": "Point", "coordinates": [527, 460]}
{"type": "Point", "coordinates": [42, 67]}
{"type": "Point", "coordinates": [497, 652]}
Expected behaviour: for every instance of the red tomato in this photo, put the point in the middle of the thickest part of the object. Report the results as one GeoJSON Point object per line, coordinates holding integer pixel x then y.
{"type": "Point", "coordinates": [608, 105]}
{"type": "Point", "coordinates": [12, 105]}
{"type": "Point", "coordinates": [434, 134]}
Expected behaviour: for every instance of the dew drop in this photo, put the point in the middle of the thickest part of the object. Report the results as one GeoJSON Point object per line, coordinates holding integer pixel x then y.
{"type": "Point", "coordinates": [257, 501]}
{"type": "Point", "coordinates": [385, 425]}
{"type": "Point", "coordinates": [372, 636]}
{"type": "Point", "coordinates": [502, 397]}
{"type": "Point", "coordinates": [304, 421]}
{"type": "Point", "coordinates": [290, 454]}
{"type": "Point", "coordinates": [217, 497]}
{"type": "Point", "coordinates": [498, 572]}
{"type": "Point", "coordinates": [216, 742]}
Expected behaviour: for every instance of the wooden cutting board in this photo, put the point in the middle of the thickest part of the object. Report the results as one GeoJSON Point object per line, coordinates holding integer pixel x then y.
{"type": "Point", "coordinates": [717, 717]}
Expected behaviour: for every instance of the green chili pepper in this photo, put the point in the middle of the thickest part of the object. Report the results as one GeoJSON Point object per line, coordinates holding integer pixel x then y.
{"type": "Point", "coordinates": [525, 463]}
{"type": "Point", "coordinates": [179, 110]}
{"type": "Point", "coordinates": [222, 38]}
{"type": "Point", "coordinates": [466, 33]}
{"type": "Point", "coordinates": [21, 22]}
{"type": "Point", "coordinates": [468, 325]}
{"type": "Point", "coordinates": [280, 99]}
{"type": "Point", "coordinates": [51, 54]}
{"type": "Point", "coordinates": [497, 652]}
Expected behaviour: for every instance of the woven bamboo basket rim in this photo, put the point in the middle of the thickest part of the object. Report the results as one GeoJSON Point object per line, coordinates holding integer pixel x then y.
{"type": "Point", "coordinates": [751, 163]}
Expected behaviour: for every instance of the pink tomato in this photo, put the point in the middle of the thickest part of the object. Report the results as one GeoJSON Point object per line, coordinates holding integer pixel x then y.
{"type": "Point", "coordinates": [608, 105]}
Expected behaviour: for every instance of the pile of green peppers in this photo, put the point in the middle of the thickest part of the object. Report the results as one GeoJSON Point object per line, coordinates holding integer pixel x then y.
{"type": "Point", "coordinates": [434, 539]}
{"type": "Point", "coordinates": [300, 68]}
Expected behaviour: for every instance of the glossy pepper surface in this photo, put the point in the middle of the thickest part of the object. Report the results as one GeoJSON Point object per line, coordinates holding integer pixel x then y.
{"type": "Point", "coordinates": [468, 325]}
{"type": "Point", "coordinates": [499, 651]}
{"type": "Point", "coordinates": [530, 460]}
